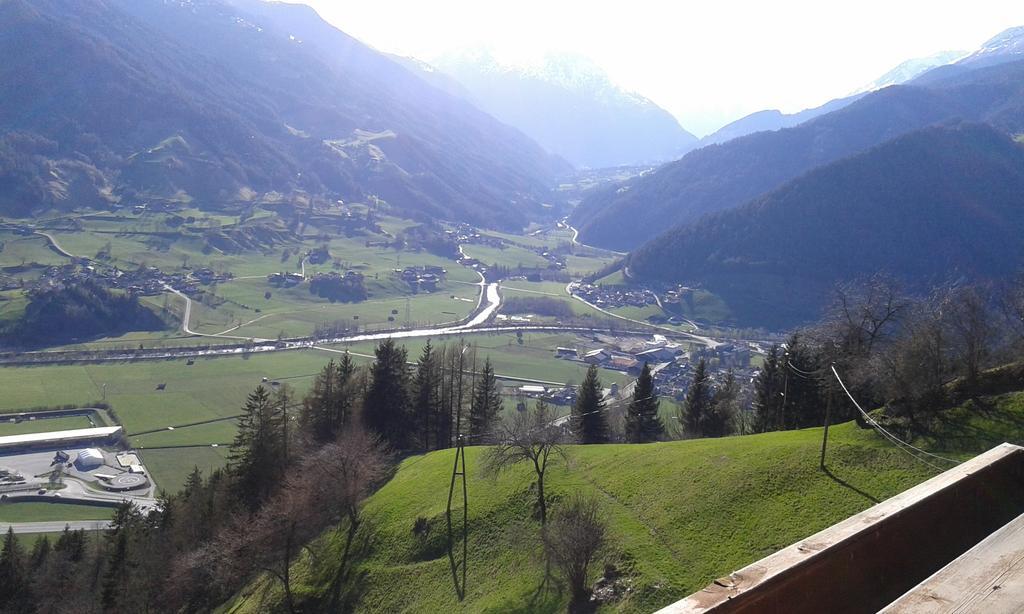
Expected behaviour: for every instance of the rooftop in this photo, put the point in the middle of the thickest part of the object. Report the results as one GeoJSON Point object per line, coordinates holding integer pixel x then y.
{"type": "Point", "coordinates": [58, 436]}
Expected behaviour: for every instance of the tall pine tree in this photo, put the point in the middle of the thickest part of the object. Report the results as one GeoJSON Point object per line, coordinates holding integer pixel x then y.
{"type": "Point", "coordinates": [256, 459]}
{"type": "Point", "coordinates": [724, 406]}
{"type": "Point", "coordinates": [486, 405]}
{"type": "Point", "coordinates": [426, 397]}
{"type": "Point", "coordinates": [15, 582]}
{"type": "Point", "coordinates": [589, 421]}
{"type": "Point", "coordinates": [768, 391]}
{"type": "Point", "coordinates": [327, 408]}
{"type": "Point", "coordinates": [697, 405]}
{"type": "Point", "coordinates": [642, 421]}
{"type": "Point", "coordinates": [386, 406]}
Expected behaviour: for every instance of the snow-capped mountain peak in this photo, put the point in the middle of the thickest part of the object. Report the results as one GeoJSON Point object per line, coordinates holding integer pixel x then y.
{"type": "Point", "coordinates": [909, 70]}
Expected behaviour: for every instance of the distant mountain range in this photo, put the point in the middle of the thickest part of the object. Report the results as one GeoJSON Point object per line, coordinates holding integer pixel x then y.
{"type": "Point", "coordinates": [777, 120]}
{"type": "Point", "coordinates": [1006, 46]}
{"type": "Point", "coordinates": [572, 108]}
{"type": "Point", "coordinates": [114, 102]}
{"type": "Point", "coordinates": [935, 205]}
{"type": "Point", "coordinates": [723, 176]}
{"type": "Point", "coordinates": [773, 119]}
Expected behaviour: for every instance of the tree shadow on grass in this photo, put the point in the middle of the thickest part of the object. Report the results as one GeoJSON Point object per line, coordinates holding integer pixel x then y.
{"type": "Point", "coordinates": [847, 485]}
{"type": "Point", "coordinates": [547, 598]}
{"type": "Point", "coordinates": [347, 584]}
{"type": "Point", "coordinates": [978, 425]}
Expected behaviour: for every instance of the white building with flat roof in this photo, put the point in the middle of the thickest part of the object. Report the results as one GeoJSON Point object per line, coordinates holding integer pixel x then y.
{"type": "Point", "coordinates": [62, 438]}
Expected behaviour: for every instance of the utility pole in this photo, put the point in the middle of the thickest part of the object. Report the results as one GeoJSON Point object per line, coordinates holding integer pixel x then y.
{"type": "Point", "coordinates": [458, 471]}
{"type": "Point", "coordinates": [785, 392]}
{"type": "Point", "coordinates": [828, 418]}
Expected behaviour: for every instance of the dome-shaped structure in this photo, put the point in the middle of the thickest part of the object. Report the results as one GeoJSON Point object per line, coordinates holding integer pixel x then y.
{"type": "Point", "coordinates": [88, 459]}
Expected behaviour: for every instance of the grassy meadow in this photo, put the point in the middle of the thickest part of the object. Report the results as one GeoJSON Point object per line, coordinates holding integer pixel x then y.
{"type": "Point", "coordinates": [680, 514]}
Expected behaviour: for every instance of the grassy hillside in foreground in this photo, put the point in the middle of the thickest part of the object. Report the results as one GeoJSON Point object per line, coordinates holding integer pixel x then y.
{"type": "Point", "coordinates": [680, 513]}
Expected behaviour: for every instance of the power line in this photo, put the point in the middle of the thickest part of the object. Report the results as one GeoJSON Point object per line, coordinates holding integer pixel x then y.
{"type": "Point", "coordinates": [800, 373]}
{"type": "Point", "coordinates": [903, 445]}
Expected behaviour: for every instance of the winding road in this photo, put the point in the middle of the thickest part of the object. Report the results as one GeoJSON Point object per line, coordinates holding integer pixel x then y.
{"type": "Point", "coordinates": [54, 245]}
{"type": "Point", "coordinates": [564, 223]}
{"type": "Point", "coordinates": [186, 318]}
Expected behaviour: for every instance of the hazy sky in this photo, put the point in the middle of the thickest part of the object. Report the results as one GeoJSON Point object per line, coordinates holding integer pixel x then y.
{"type": "Point", "coordinates": [707, 62]}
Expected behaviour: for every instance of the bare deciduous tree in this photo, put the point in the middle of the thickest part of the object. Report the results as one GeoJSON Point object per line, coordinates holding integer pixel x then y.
{"type": "Point", "coordinates": [865, 313]}
{"type": "Point", "coordinates": [864, 318]}
{"type": "Point", "coordinates": [530, 436]}
{"type": "Point", "coordinates": [572, 540]}
{"type": "Point", "coordinates": [915, 368]}
{"type": "Point", "coordinates": [970, 319]}
{"type": "Point", "coordinates": [326, 487]}
{"type": "Point", "coordinates": [1012, 303]}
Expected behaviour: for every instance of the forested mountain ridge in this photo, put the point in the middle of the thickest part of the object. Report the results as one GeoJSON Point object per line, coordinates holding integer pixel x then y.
{"type": "Point", "coordinates": [936, 205]}
{"type": "Point", "coordinates": [720, 177]}
{"type": "Point", "coordinates": [111, 101]}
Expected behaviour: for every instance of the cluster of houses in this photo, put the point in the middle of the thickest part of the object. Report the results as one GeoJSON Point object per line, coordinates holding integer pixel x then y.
{"type": "Point", "coordinates": [671, 363]}
{"type": "Point", "coordinates": [466, 234]}
{"type": "Point", "coordinates": [626, 357]}
{"type": "Point", "coordinates": [144, 281]}
{"type": "Point", "coordinates": [611, 297]}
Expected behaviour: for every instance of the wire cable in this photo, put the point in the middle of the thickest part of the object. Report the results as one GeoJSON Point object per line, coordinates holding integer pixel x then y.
{"type": "Point", "coordinates": [895, 440]}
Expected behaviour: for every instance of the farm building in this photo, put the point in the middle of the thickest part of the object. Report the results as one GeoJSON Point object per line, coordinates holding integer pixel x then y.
{"type": "Point", "coordinates": [561, 352]}
{"type": "Point", "coordinates": [597, 357]}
